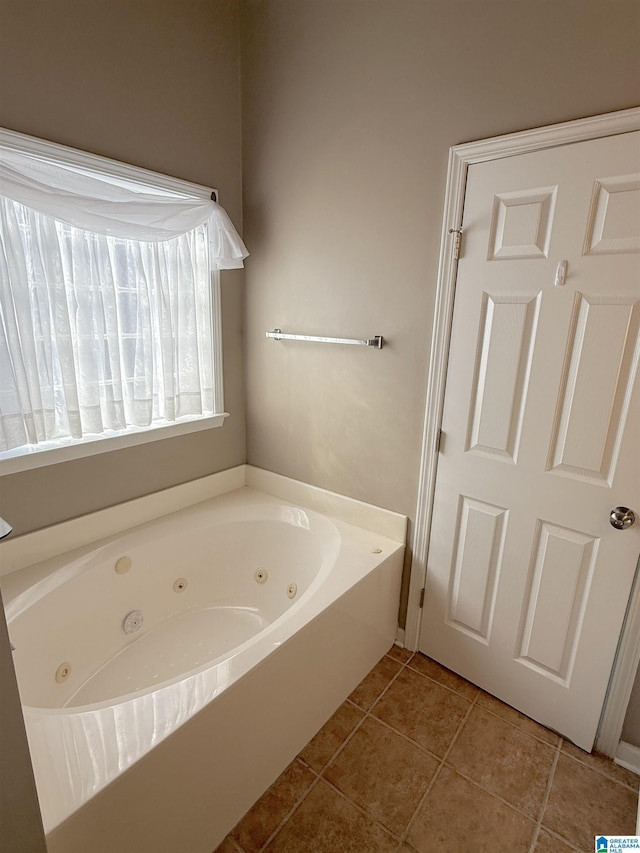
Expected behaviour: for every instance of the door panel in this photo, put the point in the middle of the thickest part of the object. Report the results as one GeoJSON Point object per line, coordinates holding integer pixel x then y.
{"type": "Point", "coordinates": [476, 566]}
{"type": "Point", "coordinates": [602, 362]}
{"type": "Point", "coordinates": [527, 582]}
{"type": "Point", "coordinates": [559, 583]}
{"type": "Point", "coordinates": [507, 334]}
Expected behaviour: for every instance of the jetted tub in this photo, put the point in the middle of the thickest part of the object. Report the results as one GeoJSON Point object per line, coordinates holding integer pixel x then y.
{"type": "Point", "coordinates": [170, 672]}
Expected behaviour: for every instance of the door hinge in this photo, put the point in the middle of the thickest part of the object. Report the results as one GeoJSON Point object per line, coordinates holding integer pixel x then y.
{"type": "Point", "coordinates": [457, 242]}
{"type": "Point", "coordinates": [421, 597]}
{"type": "Point", "coordinates": [438, 440]}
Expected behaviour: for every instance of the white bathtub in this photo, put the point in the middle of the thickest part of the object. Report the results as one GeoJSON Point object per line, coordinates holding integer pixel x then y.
{"type": "Point", "coordinates": [252, 619]}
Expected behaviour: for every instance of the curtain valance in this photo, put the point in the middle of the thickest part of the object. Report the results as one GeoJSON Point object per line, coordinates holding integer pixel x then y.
{"type": "Point", "coordinates": [115, 206]}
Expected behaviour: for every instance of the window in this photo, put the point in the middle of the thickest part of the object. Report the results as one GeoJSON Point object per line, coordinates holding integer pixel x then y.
{"type": "Point", "coordinates": [109, 303]}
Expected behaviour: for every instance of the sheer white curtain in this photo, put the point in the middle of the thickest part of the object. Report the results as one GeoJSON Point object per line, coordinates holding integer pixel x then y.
{"type": "Point", "coordinates": [106, 326]}
{"type": "Point", "coordinates": [115, 206]}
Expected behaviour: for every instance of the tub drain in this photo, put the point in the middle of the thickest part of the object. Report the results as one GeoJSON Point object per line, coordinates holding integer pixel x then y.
{"type": "Point", "coordinates": [133, 622]}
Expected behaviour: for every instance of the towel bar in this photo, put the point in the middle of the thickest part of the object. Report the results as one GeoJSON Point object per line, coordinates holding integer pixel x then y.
{"type": "Point", "coordinates": [377, 341]}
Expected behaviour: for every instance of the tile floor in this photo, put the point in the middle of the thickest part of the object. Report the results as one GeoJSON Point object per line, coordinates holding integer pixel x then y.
{"type": "Point", "coordinates": [417, 759]}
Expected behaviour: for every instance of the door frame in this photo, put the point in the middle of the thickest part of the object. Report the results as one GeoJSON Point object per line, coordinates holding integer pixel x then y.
{"type": "Point", "coordinates": [460, 158]}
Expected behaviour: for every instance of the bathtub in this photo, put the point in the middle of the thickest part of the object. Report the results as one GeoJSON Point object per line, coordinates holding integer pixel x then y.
{"type": "Point", "coordinates": [170, 671]}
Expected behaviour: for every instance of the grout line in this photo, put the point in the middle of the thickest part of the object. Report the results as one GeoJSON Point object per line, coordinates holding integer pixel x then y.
{"type": "Point", "coordinates": [570, 844]}
{"type": "Point", "coordinates": [472, 705]}
{"type": "Point", "coordinates": [433, 781]}
{"type": "Point", "coordinates": [342, 746]}
{"type": "Point", "coordinates": [385, 689]}
{"type": "Point", "coordinates": [293, 808]}
{"type": "Point", "coordinates": [497, 796]}
{"type": "Point", "coordinates": [396, 837]}
{"type": "Point", "coordinates": [371, 713]}
{"type": "Point", "coordinates": [476, 783]}
{"type": "Point", "coordinates": [520, 729]}
{"type": "Point", "coordinates": [436, 775]}
{"type": "Point", "coordinates": [486, 710]}
{"type": "Point", "coordinates": [545, 799]}
{"type": "Point", "coordinates": [320, 774]}
{"type": "Point", "coordinates": [365, 713]}
{"type": "Point", "coordinates": [412, 743]}
{"type": "Point", "coordinates": [492, 794]}
{"type": "Point", "coordinates": [446, 686]}
{"type": "Point", "coordinates": [236, 847]}
{"type": "Point", "coordinates": [489, 711]}
{"type": "Point", "coordinates": [585, 763]}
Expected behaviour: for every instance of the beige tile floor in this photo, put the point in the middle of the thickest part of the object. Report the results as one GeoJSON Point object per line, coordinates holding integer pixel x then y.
{"type": "Point", "coordinates": [417, 759]}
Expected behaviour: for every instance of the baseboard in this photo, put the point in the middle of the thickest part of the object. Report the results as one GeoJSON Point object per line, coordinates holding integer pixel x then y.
{"type": "Point", "coordinates": [628, 756]}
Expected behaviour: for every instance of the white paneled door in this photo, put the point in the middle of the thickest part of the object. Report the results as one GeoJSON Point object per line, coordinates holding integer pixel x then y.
{"type": "Point", "coordinates": [527, 578]}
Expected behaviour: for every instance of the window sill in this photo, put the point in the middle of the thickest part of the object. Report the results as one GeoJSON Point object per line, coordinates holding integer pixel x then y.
{"type": "Point", "coordinates": [52, 453]}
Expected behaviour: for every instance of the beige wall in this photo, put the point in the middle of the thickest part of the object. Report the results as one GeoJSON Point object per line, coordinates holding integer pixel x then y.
{"type": "Point", "coordinates": [154, 83]}
{"type": "Point", "coordinates": [349, 108]}
{"type": "Point", "coordinates": [20, 821]}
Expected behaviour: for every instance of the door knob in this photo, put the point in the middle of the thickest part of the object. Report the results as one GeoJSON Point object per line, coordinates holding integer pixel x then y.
{"type": "Point", "coordinates": [622, 517]}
